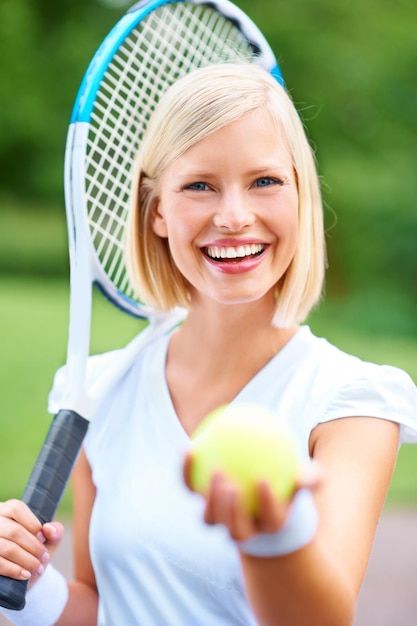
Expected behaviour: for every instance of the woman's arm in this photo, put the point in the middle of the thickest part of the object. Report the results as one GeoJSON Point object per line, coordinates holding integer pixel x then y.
{"type": "Point", "coordinates": [81, 609]}
{"type": "Point", "coordinates": [318, 584]}
{"type": "Point", "coordinates": [26, 547]}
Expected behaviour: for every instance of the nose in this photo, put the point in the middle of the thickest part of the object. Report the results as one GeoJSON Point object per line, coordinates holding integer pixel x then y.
{"type": "Point", "coordinates": [233, 212]}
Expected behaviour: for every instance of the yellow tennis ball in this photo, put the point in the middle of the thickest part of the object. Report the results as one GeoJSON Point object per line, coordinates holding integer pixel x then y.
{"type": "Point", "coordinates": [247, 444]}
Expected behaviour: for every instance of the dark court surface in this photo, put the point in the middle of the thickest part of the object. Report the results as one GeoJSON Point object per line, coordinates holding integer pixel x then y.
{"type": "Point", "coordinates": [389, 592]}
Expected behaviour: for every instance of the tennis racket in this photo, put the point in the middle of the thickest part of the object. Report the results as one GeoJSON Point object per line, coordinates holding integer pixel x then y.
{"type": "Point", "coordinates": [152, 45]}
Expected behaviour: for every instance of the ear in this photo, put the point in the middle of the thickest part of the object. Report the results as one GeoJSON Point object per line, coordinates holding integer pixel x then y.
{"type": "Point", "coordinates": [158, 223]}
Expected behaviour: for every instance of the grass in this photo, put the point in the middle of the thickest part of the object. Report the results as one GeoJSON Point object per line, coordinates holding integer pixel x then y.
{"type": "Point", "coordinates": [33, 323]}
{"type": "Point", "coordinates": [33, 239]}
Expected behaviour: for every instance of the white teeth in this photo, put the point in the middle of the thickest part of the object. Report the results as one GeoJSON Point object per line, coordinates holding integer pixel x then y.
{"type": "Point", "coordinates": [230, 252]}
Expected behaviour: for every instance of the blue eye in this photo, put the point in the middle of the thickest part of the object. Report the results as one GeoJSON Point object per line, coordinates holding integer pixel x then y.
{"type": "Point", "coordinates": [265, 181]}
{"type": "Point", "coordinates": [199, 186]}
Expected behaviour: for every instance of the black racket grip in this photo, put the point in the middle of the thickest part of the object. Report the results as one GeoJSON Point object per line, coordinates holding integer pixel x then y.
{"type": "Point", "coordinates": [46, 485]}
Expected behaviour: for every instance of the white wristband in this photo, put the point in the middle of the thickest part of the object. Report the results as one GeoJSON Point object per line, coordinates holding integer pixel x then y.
{"type": "Point", "coordinates": [298, 531]}
{"type": "Point", "coordinates": [45, 601]}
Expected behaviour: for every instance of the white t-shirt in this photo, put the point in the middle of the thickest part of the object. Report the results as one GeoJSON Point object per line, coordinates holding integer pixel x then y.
{"type": "Point", "coordinates": [156, 562]}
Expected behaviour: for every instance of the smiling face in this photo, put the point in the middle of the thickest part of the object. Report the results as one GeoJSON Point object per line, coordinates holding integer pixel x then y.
{"type": "Point", "coordinates": [229, 209]}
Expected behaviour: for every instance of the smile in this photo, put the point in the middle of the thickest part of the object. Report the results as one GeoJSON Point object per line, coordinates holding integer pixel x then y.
{"type": "Point", "coordinates": [230, 252]}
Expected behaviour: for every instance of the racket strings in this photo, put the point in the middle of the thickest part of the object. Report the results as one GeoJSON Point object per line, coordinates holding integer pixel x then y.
{"type": "Point", "coordinates": [168, 43]}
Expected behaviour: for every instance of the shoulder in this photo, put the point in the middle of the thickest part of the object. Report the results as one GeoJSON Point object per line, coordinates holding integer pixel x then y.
{"type": "Point", "coordinates": [96, 364]}
{"type": "Point", "coordinates": [109, 370]}
{"type": "Point", "coordinates": [349, 386]}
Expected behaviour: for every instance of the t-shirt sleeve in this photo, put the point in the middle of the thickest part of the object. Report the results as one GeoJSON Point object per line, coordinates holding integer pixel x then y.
{"type": "Point", "coordinates": [377, 391]}
{"type": "Point", "coordinates": [95, 366]}
{"type": "Point", "coordinates": [57, 391]}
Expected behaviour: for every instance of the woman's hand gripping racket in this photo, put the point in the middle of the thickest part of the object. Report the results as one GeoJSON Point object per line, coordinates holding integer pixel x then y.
{"type": "Point", "coordinates": [155, 43]}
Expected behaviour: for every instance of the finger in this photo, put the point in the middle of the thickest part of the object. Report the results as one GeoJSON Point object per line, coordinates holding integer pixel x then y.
{"type": "Point", "coordinates": [53, 533]}
{"type": "Point", "coordinates": [14, 570]}
{"type": "Point", "coordinates": [210, 510]}
{"type": "Point", "coordinates": [242, 524]}
{"type": "Point", "coordinates": [272, 513]}
{"type": "Point", "coordinates": [16, 562]}
{"type": "Point", "coordinates": [13, 533]}
{"type": "Point", "coordinates": [19, 512]}
{"type": "Point", "coordinates": [225, 506]}
{"type": "Point", "coordinates": [21, 543]}
{"type": "Point", "coordinates": [186, 470]}
{"type": "Point", "coordinates": [218, 500]}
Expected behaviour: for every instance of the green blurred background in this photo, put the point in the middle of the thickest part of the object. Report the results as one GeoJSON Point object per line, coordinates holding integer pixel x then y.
{"type": "Point", "coordinates": [351, 69]}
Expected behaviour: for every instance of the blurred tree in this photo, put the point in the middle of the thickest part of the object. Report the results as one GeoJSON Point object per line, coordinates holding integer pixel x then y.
{"type": "Point", "coordinates": [45, 47]}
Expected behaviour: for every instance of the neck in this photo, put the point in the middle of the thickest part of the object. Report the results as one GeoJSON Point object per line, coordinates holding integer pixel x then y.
{"type": "Point", "coordinates": [228, 336]}
{"type": "Point", "coordinates": [215, 353]}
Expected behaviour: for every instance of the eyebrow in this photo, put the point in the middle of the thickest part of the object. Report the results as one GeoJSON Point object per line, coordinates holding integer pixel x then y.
{"type": "Point", "coordinates": [269, 167]}
{"type": "Point", "coordinates": [262, 169]}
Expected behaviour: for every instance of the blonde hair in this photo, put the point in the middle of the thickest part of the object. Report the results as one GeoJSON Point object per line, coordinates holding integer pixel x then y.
{"type": "Point", "coordinates": [195, 106]}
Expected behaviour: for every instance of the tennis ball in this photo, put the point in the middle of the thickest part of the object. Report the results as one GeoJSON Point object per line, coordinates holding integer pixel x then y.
{"type": "Point", "coordinates": [245, 443]}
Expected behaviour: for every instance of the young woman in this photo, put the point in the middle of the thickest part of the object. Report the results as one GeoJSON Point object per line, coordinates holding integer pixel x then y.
{"type": "Point", "coordinates": [226, 221]}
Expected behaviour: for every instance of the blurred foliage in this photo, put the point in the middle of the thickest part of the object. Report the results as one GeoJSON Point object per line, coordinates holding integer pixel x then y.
{"type": "Point", "coordinates": [33, 239]}
{"type": "Point", "coordinates": [351, 69]}
{"type": "Point", "coordinates": [47, 45]}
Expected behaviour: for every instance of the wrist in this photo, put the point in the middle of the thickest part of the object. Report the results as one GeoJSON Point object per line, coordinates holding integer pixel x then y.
{"type": "Point", "coordinates": [45, 601]}
{"type": "Point", "coordinates": [297, 532]}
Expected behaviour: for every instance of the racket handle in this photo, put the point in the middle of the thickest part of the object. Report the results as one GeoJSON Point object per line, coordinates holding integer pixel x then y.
{"type": "Point", "coordinates": [46, 485]}
{"type": "Point", "coordinates": [54, 464]}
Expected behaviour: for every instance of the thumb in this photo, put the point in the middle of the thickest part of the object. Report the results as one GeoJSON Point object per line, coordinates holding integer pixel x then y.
{"type": "Point", "coordinates": [53, 533]}
{"type": "Point", "coordinates": [186, 469]}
